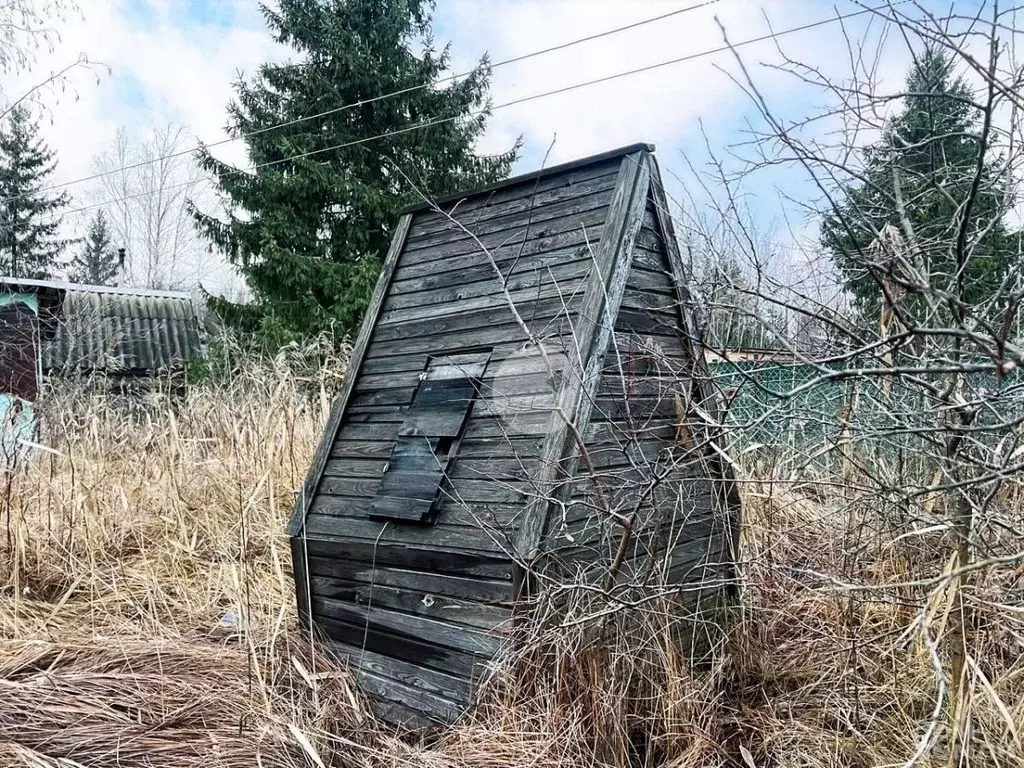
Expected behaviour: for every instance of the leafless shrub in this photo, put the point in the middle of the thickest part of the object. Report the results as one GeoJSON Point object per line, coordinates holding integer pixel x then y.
{"type": "Point", "coordinates": [905, 402]}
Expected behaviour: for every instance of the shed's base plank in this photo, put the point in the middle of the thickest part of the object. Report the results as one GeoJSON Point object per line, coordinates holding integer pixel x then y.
{"type": "Point", "coordinates": [451, 687]}
{"type": "Point", "coordinates": [399, 645]}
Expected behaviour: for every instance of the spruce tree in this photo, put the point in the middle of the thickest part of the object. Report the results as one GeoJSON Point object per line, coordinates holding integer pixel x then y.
{"type": "Point", "coordinates": [29, 242]}
{"type": "Point", "coordinates": [97, 262]}
{"type": "Point", "coordinates": [309, 226]}
{"type": "Point", "coordinates": [925, 163]}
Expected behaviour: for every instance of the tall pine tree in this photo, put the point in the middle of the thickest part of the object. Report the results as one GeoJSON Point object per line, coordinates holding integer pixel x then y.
{"type": "Point", "coordinates": [29, 243]}
{"type": "Point", "coordinates": [97, 262]}
{"type": "Point", "coordinates": [925, 162]}
{"type": "Point", "coordinates": [309, 227]}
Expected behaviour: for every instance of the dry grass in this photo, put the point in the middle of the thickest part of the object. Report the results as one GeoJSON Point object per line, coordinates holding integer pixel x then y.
{"type": "Point", "coordinates": [147, 620]}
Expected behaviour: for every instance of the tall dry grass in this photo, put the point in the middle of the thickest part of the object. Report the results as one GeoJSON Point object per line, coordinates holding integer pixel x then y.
{"type": "Point", "coordinates": [147, 619]}
{"type": "Point", "coordinates": [147, 592]}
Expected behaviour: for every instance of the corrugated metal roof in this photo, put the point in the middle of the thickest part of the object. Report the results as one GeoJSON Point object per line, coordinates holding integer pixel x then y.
{"type": "Point", "coordinates": [126, 331]}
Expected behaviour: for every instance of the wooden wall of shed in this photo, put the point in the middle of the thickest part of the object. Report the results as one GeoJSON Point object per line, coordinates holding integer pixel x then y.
{"type": "Point", "coordinates": [380, 590]}
{"type": "Point", "coordinates": [642, 456]}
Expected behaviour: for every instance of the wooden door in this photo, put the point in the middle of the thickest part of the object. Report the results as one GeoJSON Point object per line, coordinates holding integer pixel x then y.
{"type": "Point", "coordinates": [19, 351]}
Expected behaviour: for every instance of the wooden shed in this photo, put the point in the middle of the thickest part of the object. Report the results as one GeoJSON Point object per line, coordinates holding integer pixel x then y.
{"type": "Point", "coordinates": [526, 378]}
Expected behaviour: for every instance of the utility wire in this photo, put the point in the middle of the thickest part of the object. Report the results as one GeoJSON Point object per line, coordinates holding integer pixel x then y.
{"type": "Point", "coordinates": [504, 105]}
{"type": "Point", "coordinates": [375, 99]}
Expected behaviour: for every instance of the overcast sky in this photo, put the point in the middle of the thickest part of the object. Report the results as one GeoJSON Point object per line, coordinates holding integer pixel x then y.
{"type": "Point", "coordinates": [176, 60]}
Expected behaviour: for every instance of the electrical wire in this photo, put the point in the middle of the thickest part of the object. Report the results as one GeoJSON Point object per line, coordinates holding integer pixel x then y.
{"type": "Point", "coordinates": [372, 100]}
{"type": "Point", "coordinates": [504, 105]}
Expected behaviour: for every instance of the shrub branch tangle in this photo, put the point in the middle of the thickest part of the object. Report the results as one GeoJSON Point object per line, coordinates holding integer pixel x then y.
{"type": "Point", "coordinates": [918, 358]}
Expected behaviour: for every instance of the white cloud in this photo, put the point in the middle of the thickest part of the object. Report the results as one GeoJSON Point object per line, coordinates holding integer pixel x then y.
{"type": "Point", "coordinates": [168, 65]}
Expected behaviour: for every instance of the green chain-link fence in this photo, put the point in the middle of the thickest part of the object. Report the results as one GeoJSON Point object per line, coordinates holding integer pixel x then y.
{"type": "Point", "coordinates": [794, 414]}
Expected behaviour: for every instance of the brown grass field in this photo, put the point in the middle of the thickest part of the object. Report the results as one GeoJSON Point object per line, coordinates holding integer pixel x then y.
{"type": "Point", "coordinates": [130, 536]}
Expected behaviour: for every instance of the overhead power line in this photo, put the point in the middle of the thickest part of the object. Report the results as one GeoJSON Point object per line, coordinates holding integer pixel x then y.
{"type": "Point", "coordinates": [381, 97]}
{"type": "Point", "coordinates": [507, 104]}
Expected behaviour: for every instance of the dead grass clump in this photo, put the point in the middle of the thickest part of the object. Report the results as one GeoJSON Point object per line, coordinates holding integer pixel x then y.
{"type": "Point", "coordinates": [841, 658]}
{"type": "Point", "coordinates": [138, 703]}
{"type": "Point", "coordinates": [147, 619]}
{"type": "Point", "coordinates": [147, 595]}
{"type": "Point", "coordinates": [602, 684]}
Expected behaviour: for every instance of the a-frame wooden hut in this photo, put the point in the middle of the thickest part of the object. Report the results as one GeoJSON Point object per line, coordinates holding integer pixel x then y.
{"type": "Point", "coordinates": [510, 324]}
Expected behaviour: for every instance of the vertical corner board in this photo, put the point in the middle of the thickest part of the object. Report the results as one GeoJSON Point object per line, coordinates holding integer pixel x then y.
{"type": "Point", "coordinates": [601, 302]}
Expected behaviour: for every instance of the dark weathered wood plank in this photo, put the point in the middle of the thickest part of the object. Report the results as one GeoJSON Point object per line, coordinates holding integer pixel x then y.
{"type": "Point", "coordinates": [458, 587]}
{"type": "Point", "coordinates": [514, 379]}
{"type": "Point", "coordinates": [625, 340]}
{"type": "Point", "coordinates": [469, 470]}
{"type": "Point", "coordinates": [469, 613]}
{"type": "Point", "coordinates": [499, 415]}
{"type": "Point", "coordinates": [420, 707]}
{"type": "Point", "coordinates": [521, 187]}
{"type": "Point", "coordinates": [502, 352]}
{"type": "Point", "coordinates": [471, 539]}
{"type": "Point", "coordinates": [524, 262]}
{"type": "Point", "coordinates": [360, 449]}
{"type": "Point", "coordinates": [525, 251]}
{"type": "Point", "coordinates": [359, 487]}
{"type": "Point", "coordinates": [355, 362]}
{"type": "Point", "coordinates": [639, 298]}
{"type": "Point", "coordinates": [503, 416]}
{"type": "Point", "coordinates": [650, 260]}
{"type": "Point", "coordinates": [375, 414]}
{"type": "Point", "coordinates": [398, 715]}
{"type": "Point", "coordinates": [645, 390]}
{"type": "Point", "coordinates": [647, 321]}
{"type": "Point", "coordinates": [361, 468]}
{"type": "Point", "coordinates": [516, 225]}
{"type": "Point", "coordinates": [656, 282]}
{"type": "Point", "coordinates": [649, 238]}
{"type": "Point", "coordinates": [471, 490]}
{"type": "Point", "coordinates": [486, 436]}
{"type": "Point", "coordinates": [397, 508]}
{"type": "Point", "coordinates": [558, 329]}
{"type": "Point", "coordinates": [526, 300]}
{"type": "Point", "coordinates": [458, 562]}
{"type": "Point", "coordinates": [578, 230]}
{"type": "Point", "coordinates": [354, 630]}
{"type": "Point", "coordinates": [452, 510]}
{"type": "Point", "coordinates": [728, 497]}
{"type": "Point", "coordinates": [644, 453]}
{"type": "Point", "coordinates": [300, 565]}
{"type": "Point", "coordinates": [473, 212]}
{"type": "Point", "coordinates": [604, 432]}
{"type": "Point", "coordinates": [560, 274]}
{"type": "Point", "coordinates": [412, 625]}
{"type": "Point", "coordinates": [450, 687]}
{"type": "Point", "coordinates": [401, 396]}
{"type": "Point", "coordinates": [492, 313]}
{"type": "Point", "coordinates": [616, 402]}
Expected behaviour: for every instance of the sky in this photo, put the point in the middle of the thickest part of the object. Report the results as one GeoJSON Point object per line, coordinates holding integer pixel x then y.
{"type": "Point", "coordinates": [156, 61]}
